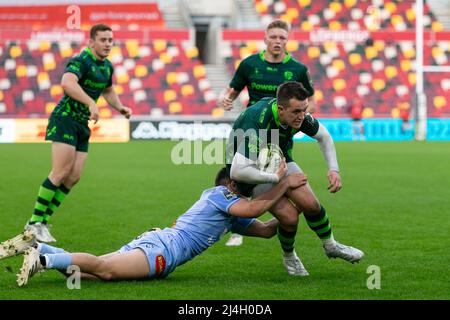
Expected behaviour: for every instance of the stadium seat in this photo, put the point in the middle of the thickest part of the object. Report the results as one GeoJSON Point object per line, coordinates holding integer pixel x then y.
{"type": "Point", "coordinates": [175, 107]}
{"type": "Point", "coordinates": [49, 106]}
{"type": "Point", "coordinates": [187, 90]}
{"type": "Point", "coordinates": [439, 102]}
{"type": "Point", "coordinates": [152, 75]}
{"type": "Point", "coordinates": [140, 70]}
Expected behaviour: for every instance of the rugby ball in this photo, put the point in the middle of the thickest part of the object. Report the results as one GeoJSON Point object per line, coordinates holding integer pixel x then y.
{"type": "Point", "coordinates": [269, 158]}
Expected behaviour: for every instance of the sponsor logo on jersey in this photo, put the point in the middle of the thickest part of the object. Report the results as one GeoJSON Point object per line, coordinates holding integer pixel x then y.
{"type": "Point", "coordinates": [228, 194]}
{"type": "Point", "coordinates": [160, 265]}
{"type": "Point", "coordinates": [264, 87]}
{"type": "Point", "coordinates": [93, 84]}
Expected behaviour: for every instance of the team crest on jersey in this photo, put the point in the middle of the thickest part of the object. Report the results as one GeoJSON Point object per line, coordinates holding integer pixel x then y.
{"type": "Point", "coordinates": [228, 194]}
{"type": "Point", "coordinates": [288, 75]}
{"type": "Point", "coordinates": [160, 265]}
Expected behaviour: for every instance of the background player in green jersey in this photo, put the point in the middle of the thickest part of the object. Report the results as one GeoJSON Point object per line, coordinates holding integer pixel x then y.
{"type": "Point", "coordinates": [262, 73]}
{"type": "Point", "coordinates": [86, 77]}
{"type": "Point", "coordinates": [276, 121]}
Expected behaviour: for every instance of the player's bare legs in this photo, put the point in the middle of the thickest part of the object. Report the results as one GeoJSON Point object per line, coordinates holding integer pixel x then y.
{"type": "Point", "coordinates": [286, 214]}
{"type": "Point", "coordinates": [53, 191]}
{"type": "Point", "coordinates": [63, 160]}
{"type": "Point", "coordinates": [74, 175]}
{"type": "Point", "coordinates": [305, 200]}
{"type": "Point", "coordinates": [118, 266]}
{"type": "Point", "coordinates": [317, 219]}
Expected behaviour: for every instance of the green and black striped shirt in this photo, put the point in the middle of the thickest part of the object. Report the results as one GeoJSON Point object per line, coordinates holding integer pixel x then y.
{"type": "Point", "coordinates": [93, 76]}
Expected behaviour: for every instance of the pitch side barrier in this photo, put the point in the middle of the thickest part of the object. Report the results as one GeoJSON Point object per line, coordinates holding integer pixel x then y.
{"type": "Point", "coordinates": [211, 128]}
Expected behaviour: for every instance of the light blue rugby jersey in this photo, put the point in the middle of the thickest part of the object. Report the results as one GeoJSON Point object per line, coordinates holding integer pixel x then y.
{"type": "Point", "coordinates": [203, 225]}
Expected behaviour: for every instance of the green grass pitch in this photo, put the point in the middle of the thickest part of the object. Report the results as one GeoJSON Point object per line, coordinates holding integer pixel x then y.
{"type": "Point", "coordinates": [394, 206]}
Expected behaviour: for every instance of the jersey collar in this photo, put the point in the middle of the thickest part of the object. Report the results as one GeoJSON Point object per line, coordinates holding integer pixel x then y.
{"type": "Point", "coordinates": [286, 58]}
{"type": "Point", "coordinates": [97, 61]}
{"type": "Point", "coordinates": [89, 52]}
{"type": "Point", "coordinates": [275, 112]}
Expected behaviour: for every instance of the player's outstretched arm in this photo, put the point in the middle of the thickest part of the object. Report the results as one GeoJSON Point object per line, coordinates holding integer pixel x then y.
{"type": "Point", "coordinates": [70, 85]}
{"type": "Point", "coordinates": [257, 206]}
{"type": "Point", "coordinates": [262, 229]}
{"type": "Point", "coordinates": [112, 98]}
{"type": "Point", "coordinates": [328, 150]}
{"type": "Point", "coordinates": [245, 170]}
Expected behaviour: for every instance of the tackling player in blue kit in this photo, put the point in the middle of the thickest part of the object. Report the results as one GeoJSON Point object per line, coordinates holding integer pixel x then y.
{"type": "Point", "coordinates": [157, 253]}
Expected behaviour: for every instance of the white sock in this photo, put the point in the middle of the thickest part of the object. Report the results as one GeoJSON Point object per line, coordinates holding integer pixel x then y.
{"type": "Point", "coordinates": [288, 254]}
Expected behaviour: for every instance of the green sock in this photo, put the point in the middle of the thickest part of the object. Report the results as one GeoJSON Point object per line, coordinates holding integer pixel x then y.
{"type": "Point", "coordinates": [45, 196]}
{"type": "Point", "coordinates": [287, 239]}
{"type": "Point", "coordinates": [57, 199]}
{"type": "Point", "coordinates": [320, 224]}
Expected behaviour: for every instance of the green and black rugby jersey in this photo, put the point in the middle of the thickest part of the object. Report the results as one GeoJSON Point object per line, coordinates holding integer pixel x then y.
{"type": "Point", "coordinates": [259, 125]}
{"type": "Point", "coordinates": [262, 78]}
{"type": "Point", "coordinates": [93, 76]}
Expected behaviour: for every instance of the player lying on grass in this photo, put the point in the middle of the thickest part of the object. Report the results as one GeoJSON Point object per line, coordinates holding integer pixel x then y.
{"type": "Point", "coordinates": [156, 253]}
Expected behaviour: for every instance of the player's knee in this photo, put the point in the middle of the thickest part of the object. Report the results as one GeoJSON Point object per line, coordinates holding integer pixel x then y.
{"type": "Point", "coordinates": [312, 206]}
{"type": "Point", "coordinates": [106, 276]}
{"type": "Point", "coordinates": [72, 180]}
{"type": "Point", "coordinates": [286, 214]}
{"type": "Point", "coordinates": [104, 271]}
{"type": "Point", "coordinates": [58, 177]}
{"type": "Point", "coordinates": [290, 220]}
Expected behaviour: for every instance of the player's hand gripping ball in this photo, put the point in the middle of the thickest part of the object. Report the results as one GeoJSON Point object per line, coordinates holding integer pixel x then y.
{"type": "Point", "coordinates": [269, 158]}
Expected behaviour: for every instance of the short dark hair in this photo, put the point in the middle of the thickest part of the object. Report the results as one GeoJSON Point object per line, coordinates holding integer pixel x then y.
{"type": "Point", "coordinates": [97, 28]}
{"type": "Point", "coordinates": [280, 24]}
{"type": "Point", "coordinates": [245, 189]}
{"type": "Point", "coordinates": [290, 90]}
{"type": "Point", "coordinates": [222, 177]}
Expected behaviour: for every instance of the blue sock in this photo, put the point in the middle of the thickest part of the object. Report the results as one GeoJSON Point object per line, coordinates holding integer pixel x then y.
{"type": "Point", "coordinates": [44, 248]}
{"type": "Point", "coordinates": [58, 260]}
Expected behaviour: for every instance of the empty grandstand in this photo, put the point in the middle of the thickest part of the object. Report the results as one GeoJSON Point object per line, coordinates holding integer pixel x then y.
{"type": "Point", "coordinates": [173, 57]}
